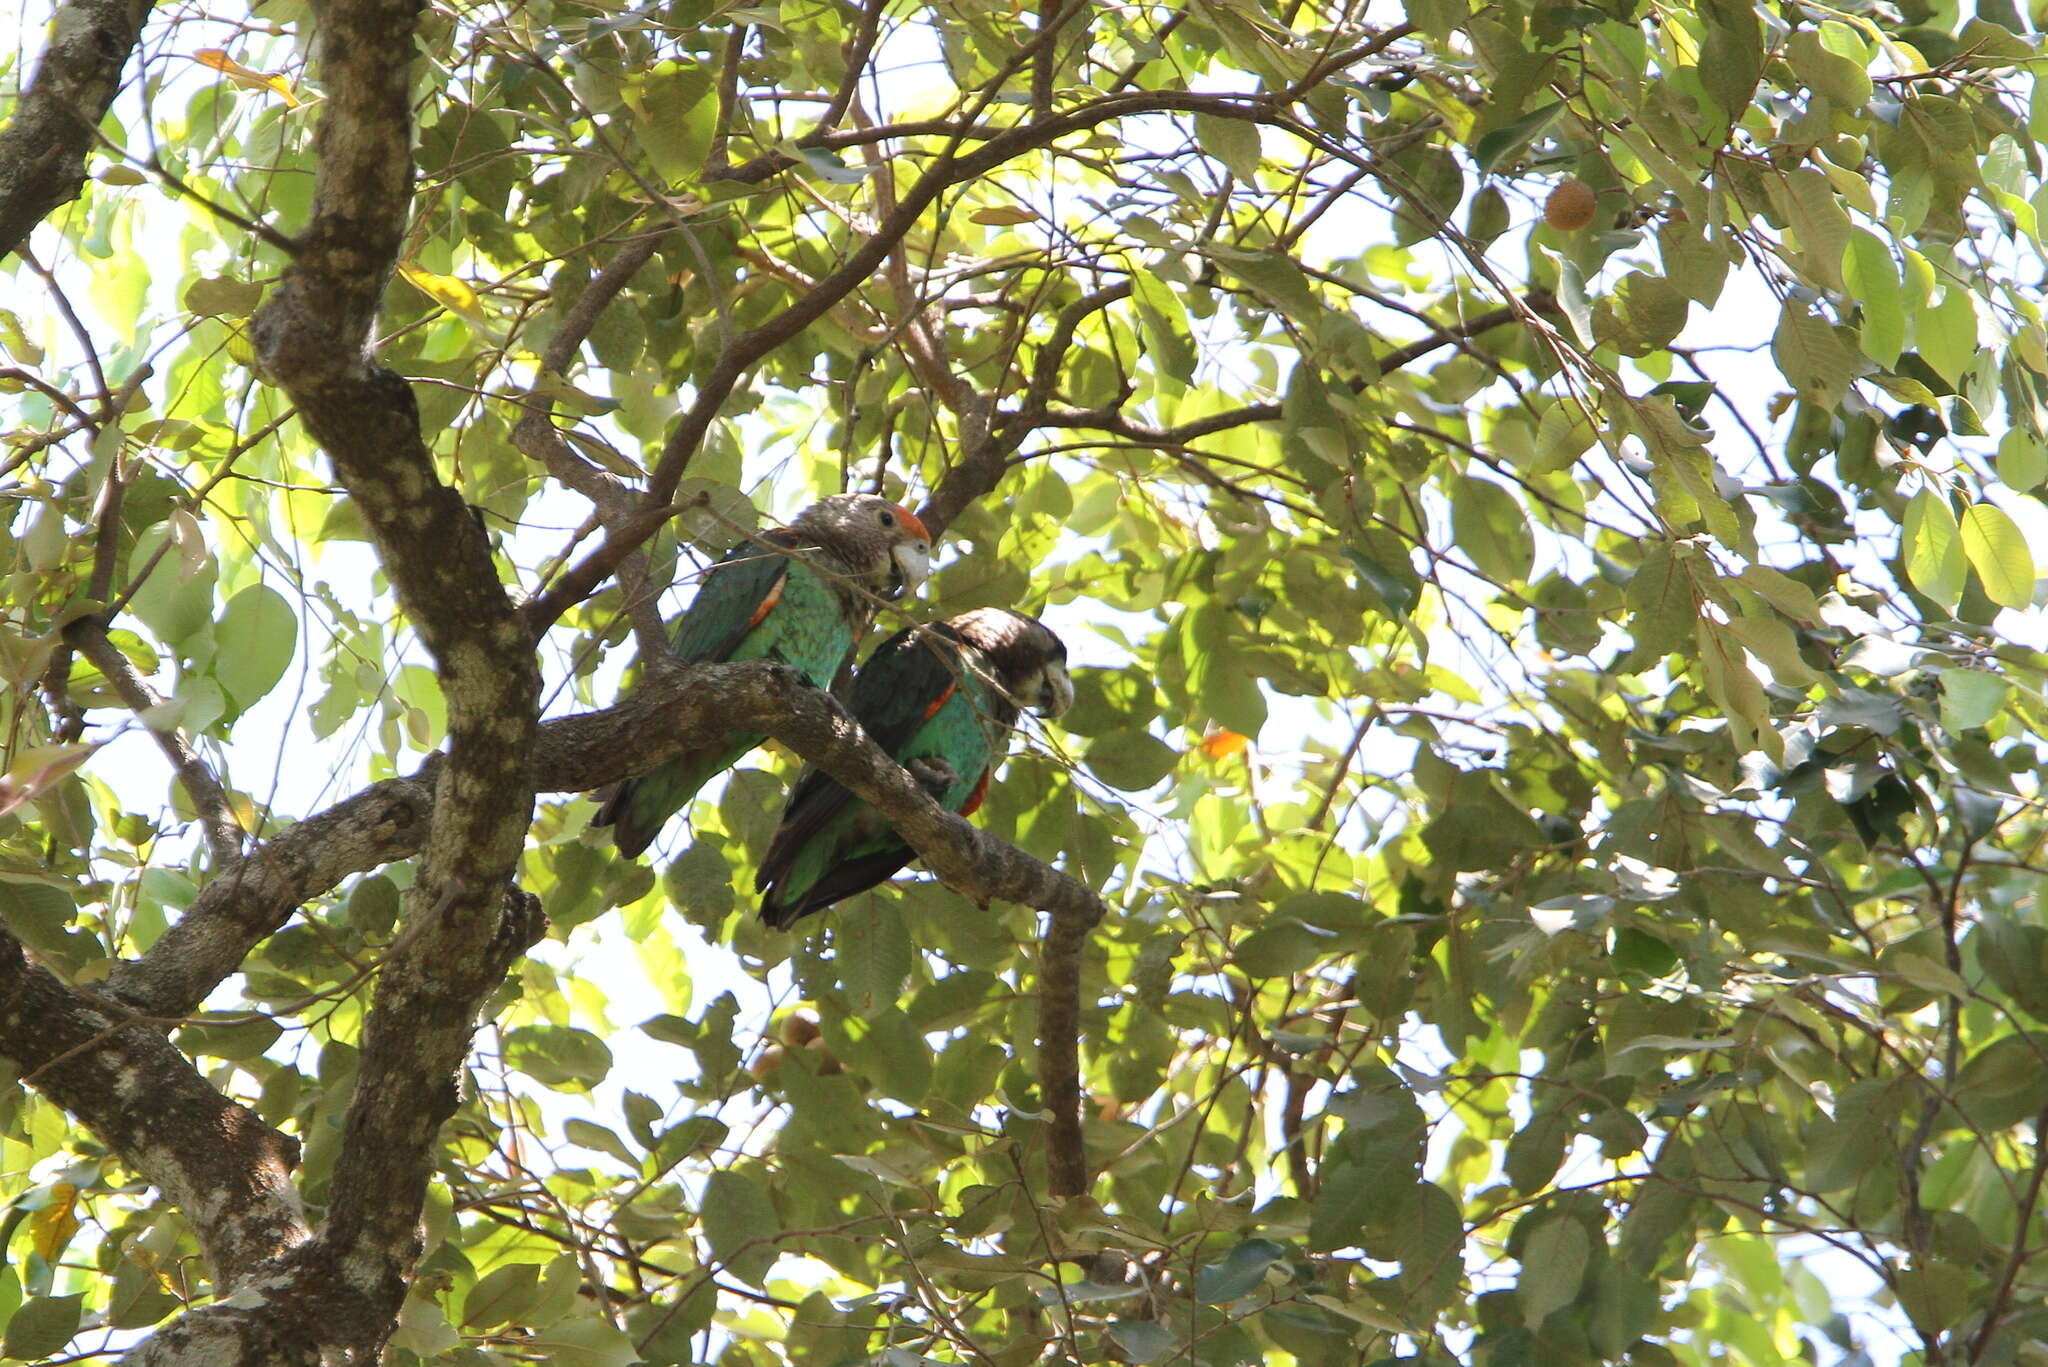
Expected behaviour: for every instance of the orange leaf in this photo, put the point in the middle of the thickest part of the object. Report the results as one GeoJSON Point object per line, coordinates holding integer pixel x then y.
{"type": "Point", "coordinates": [52, 1227]}
{"type": "Point", "coordinates": [1221, 744]}
{"type": "Point", "coordinates": [246, 77]}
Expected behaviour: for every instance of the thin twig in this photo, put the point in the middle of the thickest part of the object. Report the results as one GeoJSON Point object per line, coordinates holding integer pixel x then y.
{"type": "Point", "coordinates": [88, 636]}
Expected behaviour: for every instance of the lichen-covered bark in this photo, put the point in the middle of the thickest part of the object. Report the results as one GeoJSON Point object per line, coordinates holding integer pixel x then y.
{"type": "Point", "coordinates": [463, 922]}
{"type": "Point", "coordinates": [44, 146]}
{"type": "Point", "coordinates": [123, 1080]}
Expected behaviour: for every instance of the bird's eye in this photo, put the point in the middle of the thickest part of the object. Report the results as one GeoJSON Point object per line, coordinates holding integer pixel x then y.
{"type": "Point", "coordinates": [888, 518]}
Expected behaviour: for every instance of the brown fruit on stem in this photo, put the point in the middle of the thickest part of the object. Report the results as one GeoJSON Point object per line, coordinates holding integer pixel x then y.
{"type": "Point", "coordinates": [1570, 206]}
{"type": "Point", "coordinates": [766, 1062]}
{"type": "Point", "coordinates": [827, 1065]}
{"type": "Point", "coordinates": [798, 1030]}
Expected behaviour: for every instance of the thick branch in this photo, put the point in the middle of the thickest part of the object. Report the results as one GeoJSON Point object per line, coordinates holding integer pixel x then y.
{"type": "Point", "coordinates": [1059, 1067]}
{"type": "Point", "coordinates": [311, 337]}
{"type": "Point", "coordinates": [216, 1161]}
{"type": "Point", "coordinates": [238, 910]}
{"type": "Point", "coordinates": [674, 709]}
{"type": "Point", "coordinates": [44, 146]}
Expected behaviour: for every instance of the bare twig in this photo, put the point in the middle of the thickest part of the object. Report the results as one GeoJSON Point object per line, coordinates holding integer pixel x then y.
{"type": "Point", "coordinates": [224, 834]}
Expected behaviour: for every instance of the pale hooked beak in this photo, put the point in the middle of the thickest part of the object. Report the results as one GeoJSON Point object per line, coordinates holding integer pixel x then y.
{"type": "Point", "coordinates": [913, 561]}
{"type": "Point", "coordinates": [1055, 691]}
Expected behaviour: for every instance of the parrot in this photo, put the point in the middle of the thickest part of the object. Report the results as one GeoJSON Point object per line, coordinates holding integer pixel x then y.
{"type": "Point", "coordinates": [801, 595]}
{"type": "Point", "coordinates": [941, 699]}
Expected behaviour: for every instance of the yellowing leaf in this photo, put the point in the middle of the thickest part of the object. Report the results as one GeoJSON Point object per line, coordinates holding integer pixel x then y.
{"type": "Point", "coordinates": [38, 769]}
{"type": "Point", "coordinates": [1933, 549]}
{"type": "Point", "coordinates": [240, 350]}
{"type": "Point", "coordinates": [1997, 550]}
{"type": "Point", "coordinates": [1222, 744]}
{"type": "Point", "coordinates": [1002, 215]}
{"type": "Point", "coordinates": [52, 1227]}
{"type": "Point", "coordinates": [246, 77]}
{"type": "Point", "coordinates": [450, 293]}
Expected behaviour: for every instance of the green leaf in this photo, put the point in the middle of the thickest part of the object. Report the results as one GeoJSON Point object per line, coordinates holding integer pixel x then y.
{"type": "Point", "coordinates": [2022, 460]}
{"type": "Point", "coordinates": [1842, 80]}
{"type": "Point", "coordinates": [1239, 1273]}
{"type": "Point", "coordinates": [255, 639]}
{"type": "Point", "coordinates": [176, 600]}
{"type": "Point", "coordinates": [1935, 1296]}
{"type": "Point", "coordinates": [1130, 761]}
{"type": "Point", "coordinates": [1504, 142]}
{"type": "Point", "coordinates": [1813, 356]}
{"type": "Point", "coordinates": [1933, 546]}
{"type": "Point", "coordinates": [1946, 334]}
{"type": "Point", "coordinates": [1872, 278]}
{"type": "Point", "coordinates": [1487, 218]}
{"type": "Point", "coordinates": [1234, 142]}
{"type": "Point", "coordinates": [1165, 324]}
{"type": "Point", "coordinates": [1997, 551]}
{"type": "Point", "coordinates": [1144, 1341]}
{"type": "Point", "coordinates": [1281, 949]}
{"type": "Point", "coordinates": [1429, 1240]}
{"type": "Point", "coordinates": [1427, 183]}
{"type": "Point", "coordinates": [1571, 297]}
{"type": "Point", "coordinates": [674, 120]}
{"type": "Point", "coordinates": [1537, 1151]}
{"type": "Point", "coordinates": [887, 1049]}
{"type": "Point", "coordinates": [41, 1326]}
{"type": "Point", "coordinates": [1489, 525]}
{"type": "Point", "coordinates": [565, 1057]}
{"type": "Point", "coordinates": [599, 1139]}
{"type": "Point", "coordinates": [230, 1035]}
{"type": "Point", "coordinates": [739, 1224]}
{"type": "Point", "coordinates": [583, 1341]}
{"type": "Point", "coordinates": [1970, 698]}
{"type": "Point", "coordinates": [1732, 57]}
{"type": "Point", "coordinates": [875, 953]}
{"type": "Point", "coordinates": [828, 166]}
{"type": "Point", "coordinates": [1553, 1267]}
{"type": "Point", "coordinates": [501, 1297]}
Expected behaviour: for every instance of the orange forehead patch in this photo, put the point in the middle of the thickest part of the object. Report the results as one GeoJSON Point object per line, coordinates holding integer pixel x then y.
{"type": "Point", "coordinates": [910, 520]}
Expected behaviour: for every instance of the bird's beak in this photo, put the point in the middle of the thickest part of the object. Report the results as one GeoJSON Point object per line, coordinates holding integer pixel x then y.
{"type": "Point", "coordinates": [913, 561]}
{"type": "Point", "coordinates": [1055, 692]}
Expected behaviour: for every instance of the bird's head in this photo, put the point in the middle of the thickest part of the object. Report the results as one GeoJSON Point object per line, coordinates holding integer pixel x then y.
{"type": "Point", "coordinates": [1030, 662]}
{"type": "Point", "coordinates": [882, 541]}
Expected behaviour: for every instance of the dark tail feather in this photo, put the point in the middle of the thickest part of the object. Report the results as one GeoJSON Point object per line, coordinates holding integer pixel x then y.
{"type": "Point", "coordinates": [839, 882]}
{"type": "Point", "coordinates": [632, 837]}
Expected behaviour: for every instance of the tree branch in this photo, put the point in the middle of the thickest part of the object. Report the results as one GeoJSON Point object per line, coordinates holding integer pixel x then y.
{"type": "Point", "coordinates": [1059, 1040]}
{"type": "Point", "coordinates": [949, 168]}
{"type": "Point", "coordinates": [88, 636]}
{"type": "Point", "coordinates": [216, 1161]}
{"type": "Point", "coordinates": [536, 436]}
{"type": "Point", "coordinates": [675, 707]}
{"type": "Point", "coordinates": [310, 338]}
{"type": "Point", "coordinates": [44, 146]}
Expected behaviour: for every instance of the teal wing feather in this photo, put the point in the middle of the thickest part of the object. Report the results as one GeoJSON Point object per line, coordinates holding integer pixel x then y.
{"type": "Point", "coordinates": [758, 602]}
{"type": "Point", "coordinates": [737, 592]}
{"type": "Point", "coordinates": [917, 701]}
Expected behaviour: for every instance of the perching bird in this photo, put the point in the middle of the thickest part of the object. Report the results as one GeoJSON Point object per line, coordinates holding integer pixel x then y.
{"type": "Point", "coordinates": [802, 595]}
{"type": "Point", "coordinates": [941, 699]}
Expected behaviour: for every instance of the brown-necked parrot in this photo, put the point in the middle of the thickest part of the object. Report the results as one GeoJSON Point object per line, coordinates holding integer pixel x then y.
{"type": "Point", "coordinates": [941, 699]}
{"type": "Point", "coordinates": [802, 595]}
